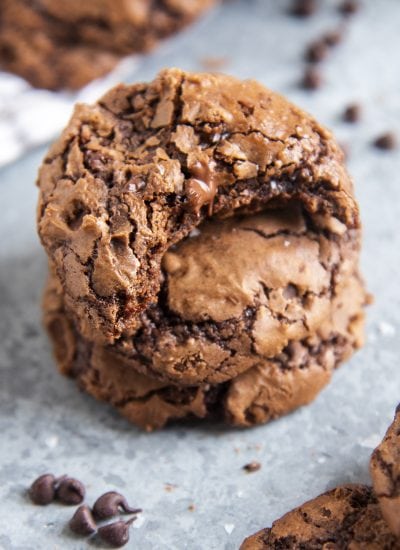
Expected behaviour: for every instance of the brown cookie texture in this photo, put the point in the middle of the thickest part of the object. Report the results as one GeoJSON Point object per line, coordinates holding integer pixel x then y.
{"type": "Point", "coordinates": [346, 518]}
{"type": "Point", "coordinates": [136, 173]}
{"type": "Point", "coordinates": [258, 395]}
{"type": "Point", "coordinates": [385, 473]}
{"type": "Point", "coordinates": [55, 44]}
{"type": "Point", "coordinates": [239, 292]}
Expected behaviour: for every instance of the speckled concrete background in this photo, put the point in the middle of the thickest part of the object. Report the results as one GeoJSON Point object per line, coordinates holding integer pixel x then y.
{"type": "Point", "coordinates": [46, 424]}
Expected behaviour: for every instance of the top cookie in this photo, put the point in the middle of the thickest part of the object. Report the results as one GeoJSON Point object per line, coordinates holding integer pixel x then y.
{"type": "Point", "coordinates": [55, 44]}
{"type": "Point", "coordinates": [135, 173]}
{"type": "Point", "coordinates": [385, 473]}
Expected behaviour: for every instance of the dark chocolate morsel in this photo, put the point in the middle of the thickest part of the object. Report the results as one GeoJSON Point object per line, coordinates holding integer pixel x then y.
{"type": "Point", "coordinates": [116, 534]}
{"type": "Point", "coordinates": [352, 113]}
{"type": "Point", "coordinates": [312, 79]}
{"type": "Point", "coordinates": [398, 408]}
{"type": "Point", "coordinates": [386, 141]}
{"type": "Point", "coordinates": [42, 490]}
{"type": "Point", "coordinates": [70, 491]}
{"type": "Point", "coordinates": [303, 8]}
{"type": "Point", "coordinates": [349, 7]}
{"type": "Point", "coordinates": [333, 38]}
{"type": "Point", "coordinates": [82, 522]}
{"type": "Point", "coordinates": [317, 51]}
{"type": "Point", "coordinates": [110, 504]}
{"type": "Point", "coordinates": [251, 467]}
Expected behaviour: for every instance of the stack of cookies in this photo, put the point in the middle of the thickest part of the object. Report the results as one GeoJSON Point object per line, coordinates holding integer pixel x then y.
{"type": "Point", "coordinates": [203, 243]}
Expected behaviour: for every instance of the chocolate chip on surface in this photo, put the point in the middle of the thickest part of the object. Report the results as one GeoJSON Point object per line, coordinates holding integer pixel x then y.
{"type": "Point", "coordinates": [42, 490]}
{"type": "Point", "coordinates": [303, 8]}
{"type": "Point", "coordinates": [333, 38]}
{"type": "Point", "coordinates": [386, 141]}
{"type": "Point", "coordinates": [317, 51]}
{"type": "Point", "coordinates": [312, 79]}
{"type": "Point", "coordinates": [82, 522]}
{"type": "Point", "coordinates": [116, 534]}
{"type": "Point", "coordinates": [112, 503]}
{"type": "Point", "coordinates": [70, 491]}
{"type": "Point", "coordinates": [349, 7]}
{"type": "Point", "coordinates": [252, 466]}
{"type": "Point", "coordinates": [352, 113]}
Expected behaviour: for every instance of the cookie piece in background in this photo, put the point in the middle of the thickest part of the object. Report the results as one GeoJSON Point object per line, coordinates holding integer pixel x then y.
{"type": "Point", "coordinates": [385, 473]}
{"type": "Point", "coordinates": [343, 518]}
{"type": "Point", "coordinates": [65, 45]}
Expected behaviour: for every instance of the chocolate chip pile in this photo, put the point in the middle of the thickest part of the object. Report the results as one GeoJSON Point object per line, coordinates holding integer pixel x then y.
{"type": "Point", "coordinates": [318, 51]}
{"type": "Point", "coordinates": [87, 521]}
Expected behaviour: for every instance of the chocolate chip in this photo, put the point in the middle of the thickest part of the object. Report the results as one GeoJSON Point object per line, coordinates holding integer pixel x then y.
{"type": "Point", "coordinates": [42, 491]}
{"type": "Point", "coordinates": [116, 534]}
{"type": "Point", "coordinates": [349, 7]}
{"type": "Point", "coordinates": [110, 504]}
{"type": "Point", "coordinates": [70, 491]}
{"type": "Point", "coordinates": [312, 79]}
{"type": "Point", "coordinates": [352, 113]}
{"type": "Point", "coordinates": [316, 51]}
{"type": "Point", "coordinates": [398, 409]}
{"type": "Point", "coordinates": [386, 141]}
{"type": "Point", "coordinates": [333, 38]}
{"type": "Point", "coordinates": [303, 8]}
{"type": "Point", "coordinates": [82, 522]}
{"type": "Point", "coordinates": [251, 467]}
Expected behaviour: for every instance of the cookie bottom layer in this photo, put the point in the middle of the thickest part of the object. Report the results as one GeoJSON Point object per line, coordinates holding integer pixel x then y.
{"type": "Point", "coordinates": [264, 392]}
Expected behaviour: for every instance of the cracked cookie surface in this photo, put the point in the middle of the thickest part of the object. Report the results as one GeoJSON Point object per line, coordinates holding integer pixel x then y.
{"type": "Point", "coordinates": [385, 473]}
{"type": "Point", "coordinates": [55, 44]}
{"type": "Point", "coordinates": [135, 173]}
{"type": "Point", "coordinates": [348, 517]}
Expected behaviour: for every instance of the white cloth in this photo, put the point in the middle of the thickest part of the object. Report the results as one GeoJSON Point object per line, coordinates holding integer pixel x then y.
{"type": "Point", "coordinates": [31, 117]}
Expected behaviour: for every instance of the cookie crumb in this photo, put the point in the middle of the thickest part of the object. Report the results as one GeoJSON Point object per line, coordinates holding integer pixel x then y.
{"type": "Point", "coordinates": [303, 8]}
{"type": "Point", "coordinates": [352, 113]}
{"type": "Point", "coordinates": [210, 63]}
{"type": "Point", "coordinates": [191, 507]}
{"type": "Point", "coordinates": [169, 487]}
{"type": "Point", "coordinates": [251, 467]}
{"type": "Point", "coordinates": [386, 141]}
{"type": "Point", "coordinates": [312, 79]}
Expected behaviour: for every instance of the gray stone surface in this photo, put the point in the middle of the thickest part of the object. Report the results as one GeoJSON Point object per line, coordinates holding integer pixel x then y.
{"type": "Point", "coordinates": [46, 424]}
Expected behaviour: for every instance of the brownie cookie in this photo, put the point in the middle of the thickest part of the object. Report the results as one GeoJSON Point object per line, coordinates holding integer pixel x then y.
{"type": "Point", "coordinates": [348, 517]}
{"type": "Point", "coordinates": [266, 391]}
{"type": "Point", "coordinates": [136, 173]}
{"type": "Point", "coordinates": [55, 44]}
{"type": "Point", "coordinates": [385, 473]}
